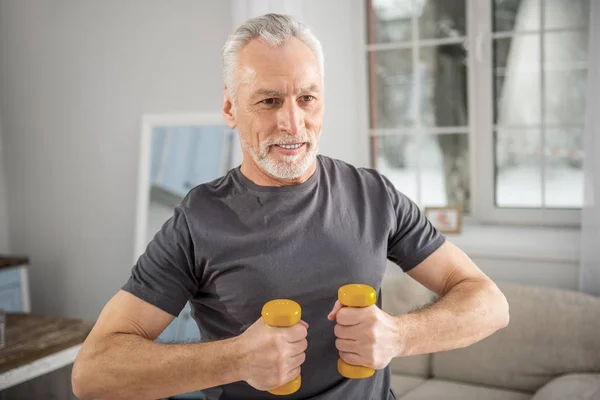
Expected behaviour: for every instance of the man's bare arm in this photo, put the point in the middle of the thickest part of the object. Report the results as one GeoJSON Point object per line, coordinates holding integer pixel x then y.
{"type": "Point", "coordinates": [470, 305]}
{"type": "Point", "coordinates": [120, 360]}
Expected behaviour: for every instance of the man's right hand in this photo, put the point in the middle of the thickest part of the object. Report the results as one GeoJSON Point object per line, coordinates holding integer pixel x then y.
{"type": "Point", "coordinates": [272, 355]}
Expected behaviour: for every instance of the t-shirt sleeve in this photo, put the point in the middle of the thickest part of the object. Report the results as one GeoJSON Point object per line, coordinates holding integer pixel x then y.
{"type": "Point", "coordinates": [414, 237]}
{"type": "Point", "coordinates": [164, 274]}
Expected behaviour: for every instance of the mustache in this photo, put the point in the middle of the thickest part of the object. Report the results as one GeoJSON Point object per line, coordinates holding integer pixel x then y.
{"type": "Point", "coordinates": [287, 140]}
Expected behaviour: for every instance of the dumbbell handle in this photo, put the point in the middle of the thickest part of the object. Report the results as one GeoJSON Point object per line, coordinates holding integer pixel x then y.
{"type": "Point", "coordinates": [283, 313]}
{"type": "Point", "coordinates": [356, 295]}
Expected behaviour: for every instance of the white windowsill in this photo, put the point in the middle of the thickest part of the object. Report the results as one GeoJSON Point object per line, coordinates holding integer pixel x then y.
{"type": "Point", "coordinates": [519, 243]}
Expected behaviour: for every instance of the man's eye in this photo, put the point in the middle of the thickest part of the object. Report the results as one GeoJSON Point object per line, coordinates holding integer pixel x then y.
{"type": "Point", "coordinates": [270, 102]}
{"type": "Point", "coordinates": [307, 98]}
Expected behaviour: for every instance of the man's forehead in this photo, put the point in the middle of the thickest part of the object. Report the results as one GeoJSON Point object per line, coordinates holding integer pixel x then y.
{"type": "Point", "coordinates": [284, 90]}
{"type": "Point", "coordinates": [264, 65]}
{"type": "Point", "coordinates": [304, 76]}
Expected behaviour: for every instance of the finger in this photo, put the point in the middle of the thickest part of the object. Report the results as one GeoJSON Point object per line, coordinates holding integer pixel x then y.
{"type": "Point", "coordinates": [297, 332]}
{"type": "Point", "coordinates": [298, 347]}
{"type": "Point", "coordinates": [348, 316]}
{"type": "Point", "coordinates": [351, 358]}
{"type": "Point", "coordinates": [294, 372]}
{"type": "Point", "coordinates": [344, 332]}
{"type": "Point", "coordinates": [304, 323]}
{"type": "Point", "coordinates": [346, 345]}
{"type": "Point", "coordinates": [297, 360]}
{"type": "Point", "coordinates": [336, 307]}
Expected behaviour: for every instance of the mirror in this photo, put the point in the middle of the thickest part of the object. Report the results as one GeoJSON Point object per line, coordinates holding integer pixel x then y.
{"type": "Point", "coordinates": [177, 153]}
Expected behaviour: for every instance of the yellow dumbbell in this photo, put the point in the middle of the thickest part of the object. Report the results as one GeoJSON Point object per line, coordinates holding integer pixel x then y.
{"type": "Point", "coordinates": [283, 313]}
{"type": "Point", "coordinates": [356, 295]}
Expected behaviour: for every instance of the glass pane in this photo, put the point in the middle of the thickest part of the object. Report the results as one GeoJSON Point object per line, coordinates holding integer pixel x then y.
{"type": "Point", "coordinates": [566, 46]}
{"type": "Point", "coordinates": [395, 157]}
{"type": "Point", "coordinates": [564, 168]}
{"type": "Point", "coordinates": [566, 13]}
{"type": "Point", "coordinates": [565, 78]}
{"type": "Point", "coordinates": [517, 15]}
{"type": "Point", "coordinates": [441, 18]}
{"type": "Point", "coordinates": [517, 80]}
{"type": "Point", "coordinates": [444, 165]}
{"type": "Point", "coordinates": [389, 20]}
{"type": "Point", "coordinates": [518, 181]}
{"type": "Point", "coordinates": [443, 80]}
{"type": "Point", "coordinates": [391, 89]}
{"type": "Point", "coordinates": [441, 162]}
{"type": "Point", "coordinates": [565, 97]}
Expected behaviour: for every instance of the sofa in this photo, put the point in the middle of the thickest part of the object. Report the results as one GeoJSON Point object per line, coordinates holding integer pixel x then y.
{"type": "Point", "coordinates": [549, 351]}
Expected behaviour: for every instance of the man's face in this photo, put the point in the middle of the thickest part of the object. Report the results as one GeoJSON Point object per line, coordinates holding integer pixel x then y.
{"type": "Point", "coordinates": [279, 109]}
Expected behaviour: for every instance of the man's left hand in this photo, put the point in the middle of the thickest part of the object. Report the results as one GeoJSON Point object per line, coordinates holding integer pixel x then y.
{"type": "Point", "coordinates": [366, 336]}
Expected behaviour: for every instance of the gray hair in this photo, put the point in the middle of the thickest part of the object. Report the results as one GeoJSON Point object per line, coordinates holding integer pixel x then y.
{"type": "Point", "coordinates": [275, 29]}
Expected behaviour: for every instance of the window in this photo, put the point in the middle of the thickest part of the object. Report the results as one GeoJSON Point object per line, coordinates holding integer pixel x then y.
{"type": "Point", "coordinates": [480, 103]}
{"type": "Point", "coordinates": [419, 124]}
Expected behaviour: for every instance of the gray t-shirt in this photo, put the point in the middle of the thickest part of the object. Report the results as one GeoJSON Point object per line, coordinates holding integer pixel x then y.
{"type": "Point", "coordinates": [232, 245]}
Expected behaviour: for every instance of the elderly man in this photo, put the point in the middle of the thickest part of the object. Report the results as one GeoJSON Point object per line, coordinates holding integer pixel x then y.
{"type": "Point", "coordinates": [288, 223]}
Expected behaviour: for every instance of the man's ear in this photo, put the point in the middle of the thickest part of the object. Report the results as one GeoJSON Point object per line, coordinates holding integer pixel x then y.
{"type": "Point", "coordinates": [228, 109]}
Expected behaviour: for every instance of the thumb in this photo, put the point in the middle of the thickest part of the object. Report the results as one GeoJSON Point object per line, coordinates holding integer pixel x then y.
{"type": "Point", "coordinates": [333, 313]}
{"type": "Point", "coordinates": [304, 323]}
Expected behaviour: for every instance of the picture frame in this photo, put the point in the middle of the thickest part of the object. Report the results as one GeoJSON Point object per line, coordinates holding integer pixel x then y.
{"type": "Point", "coordinates": [446, 219]}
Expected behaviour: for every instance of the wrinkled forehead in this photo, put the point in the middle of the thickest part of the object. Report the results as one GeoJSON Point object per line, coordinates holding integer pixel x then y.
{"type": "Point", "coordinates": [291, 66]}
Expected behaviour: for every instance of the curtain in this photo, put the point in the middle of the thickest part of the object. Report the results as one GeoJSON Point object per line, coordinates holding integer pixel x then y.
{"type": "Point", "coordinates": [589, 277]}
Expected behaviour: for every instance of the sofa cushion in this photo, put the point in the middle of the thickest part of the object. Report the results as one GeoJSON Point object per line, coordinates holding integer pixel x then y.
{"type": "Point", "coordinates": [400, 295]}
{"type": "Point", "coordinates": [551, 332]}
{"type": "Point", "coordinates": [435, 389]}
{"type": "Point", "coordinates": [572, 387]}
{"type": "Point", "coordinates": [405, 383]}
{"type": "Point", "coordinates": [417, 366]}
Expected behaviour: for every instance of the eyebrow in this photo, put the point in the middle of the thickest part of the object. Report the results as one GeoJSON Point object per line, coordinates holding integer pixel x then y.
{"type": "Point", "coordinates": [278, 93]}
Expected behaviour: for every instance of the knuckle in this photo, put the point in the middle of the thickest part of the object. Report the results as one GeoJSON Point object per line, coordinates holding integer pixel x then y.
{"type": "Point", "coordinates": [346, 357]}
{"type": "Point", "coordinates": [371, 334]}
{"type": "Point", "coordinates": [343, 314]}
{"type": "Point", "coordinates": [280, 341]}
{"type": "Point", "coordinates": [302, 358]}
{"type": "Point", "coordinates": [337, 330]}
{"type": "Point", "coordinates": [303, 330]}
{"type": "Point", "coordinates": [373, 316]}
{"type": "Point", "coordinates": [371, 349]}
{"type": "Point", "coordinates": [281, 335]}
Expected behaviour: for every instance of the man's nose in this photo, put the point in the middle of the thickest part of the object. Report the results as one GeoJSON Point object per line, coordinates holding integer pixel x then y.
{"type": "Point", "coordinates": [291, 118]}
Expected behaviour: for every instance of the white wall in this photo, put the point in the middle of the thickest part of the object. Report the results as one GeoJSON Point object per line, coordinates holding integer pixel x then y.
{"type": "Point", "coordinates": [4, 243]}
{"type": "Point", "coordinates": [4, 246]}
{"type": "Point", "coordinates": [336, 24]}
{"type": "Point", "coordinates": [76, 77]}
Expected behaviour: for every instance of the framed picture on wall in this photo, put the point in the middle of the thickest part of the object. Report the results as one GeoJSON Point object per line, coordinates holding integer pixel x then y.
{"type": "Point", "coordinates": [445, 219]}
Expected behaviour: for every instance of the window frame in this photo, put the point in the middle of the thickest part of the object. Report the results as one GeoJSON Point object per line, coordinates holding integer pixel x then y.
{"type": "Point", "coordinates": [481, 127]}
{"type": "Point", "coordinates": [481, 107]}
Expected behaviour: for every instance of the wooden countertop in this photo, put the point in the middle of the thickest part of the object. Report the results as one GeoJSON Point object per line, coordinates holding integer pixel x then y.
{"type": "Point", "coordinates": [32, 337]}
{"type": "Point", "coordinates": [7, 261]}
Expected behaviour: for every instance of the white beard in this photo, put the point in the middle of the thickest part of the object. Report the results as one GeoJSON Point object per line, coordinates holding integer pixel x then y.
{"type": "Point", "coordinates": [288, 167]}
